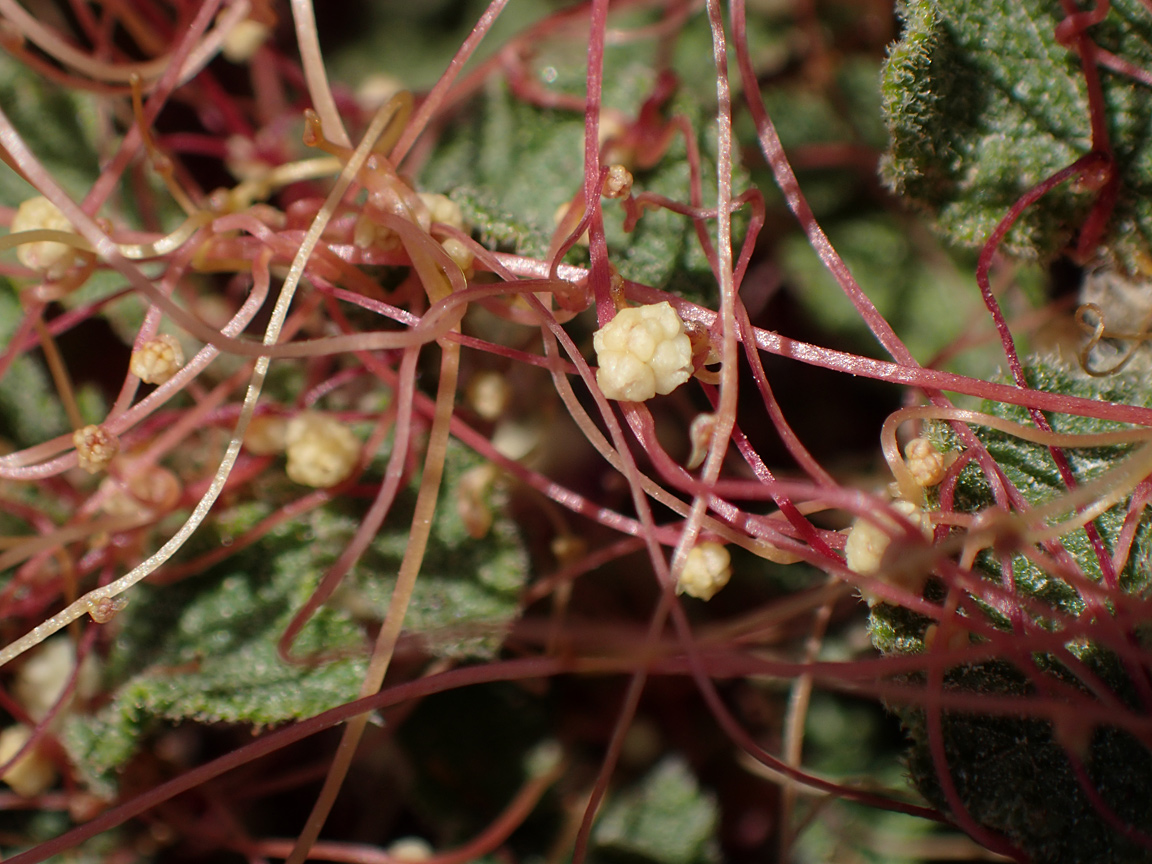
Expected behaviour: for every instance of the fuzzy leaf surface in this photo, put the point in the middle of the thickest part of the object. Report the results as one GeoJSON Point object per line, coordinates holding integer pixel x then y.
{"type": "Point", "coordinates": [206, 649]}
{"type": "Point", "coordinates": [1013, 774]}
{"type": "Point", "coordinates": [666, 818]}
{"type": "Point", "coordinates": [512, 165]}
{"type": "Point", "coordinates": [983, 103]}
{"type": "Point", "coordinates": [58, 125]}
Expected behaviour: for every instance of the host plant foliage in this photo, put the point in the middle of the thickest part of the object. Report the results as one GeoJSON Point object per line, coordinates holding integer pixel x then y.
{"type": "Point", "coordinates": [300, 406]}
{"type": "Point", "coordinates": [990, 105]}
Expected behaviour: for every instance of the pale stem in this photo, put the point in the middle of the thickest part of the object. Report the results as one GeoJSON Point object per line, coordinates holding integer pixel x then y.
{"type": "Point", "coordinates": [316, 75]}
{"type": "Point", "coordinates": [271, 334]}
{"type": "Point", "coordinates": [726, 410]}
{"type": "Point", "coordinates": [398, 604]}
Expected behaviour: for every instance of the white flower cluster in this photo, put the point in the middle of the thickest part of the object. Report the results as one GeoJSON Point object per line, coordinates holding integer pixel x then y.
{"type": "Point", "coordinates": [157, 360]}
{"type": "Point", "coordinates": [641, 352]}
{"type": "Point", "coordinates": [867, 543]}
{"type": "Point", "coordinates": [706, 570]}
{"type": "Point", "coordinates": [321, 450]}
{"type": "Point", "coordinates": [45, 256]}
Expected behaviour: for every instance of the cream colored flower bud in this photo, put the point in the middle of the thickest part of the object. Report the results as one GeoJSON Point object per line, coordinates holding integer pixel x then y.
{"type": "Point", "coordinates": [459, 252]}
{"type": "Point", "coordinates": [244, 40]}
{"type": "Point", "coordinates": [95, 447]}
{"type": "Point", "coordinates": [375, 91]}
{"type": "Point", "coordinates": [488, 394]}
{"type": "Point", "coordinates": [443, 209]}
{"type": "Point", "coordinates": [40, 682]}
{"type": "Point", "coordinates": [321, 450]}
{"type": "Point", "coordinates": [641, 352]}
{"type": "Point", "coordinates": [412, 849]}
{"type": "Point", "coordinates": [568, 548]}
{"type": "Point", "coordinates": [47, 256]}
{"type": "Point", "coordinates": [266, 436]}
{"type": "Point", "coordinates": [147, 492]}
{"type": "Point", "coordinates": [472, 495]}
{"type": "Point", "coordinates": [370, 234]}
{"type": "Point", "coordinates": [927, 464]}
{"type": "Point", "coordinates": [700, 435]}
{"type": "Point", "coordinates": [618, 183]}
{"type": "Point", "coordinates": [157, 360]}
{"type": "Point", "coordinates": [33, 772]}
{"type": "Point", "coordinates": [706, 570]}
{"type": "Point", "coordinates": [867, 543]}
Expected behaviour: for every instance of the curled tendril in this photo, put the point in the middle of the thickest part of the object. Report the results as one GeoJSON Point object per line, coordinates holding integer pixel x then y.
{"type": "Point", "coordinates": [1098, 331]}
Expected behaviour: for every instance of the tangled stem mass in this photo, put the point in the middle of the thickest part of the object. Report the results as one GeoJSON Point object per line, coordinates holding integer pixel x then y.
{"type": "Point", "coordinates": [395, 334]}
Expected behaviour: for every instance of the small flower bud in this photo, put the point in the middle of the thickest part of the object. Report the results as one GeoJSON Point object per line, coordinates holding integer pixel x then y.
{"type": "Point", "coordinates": [33, 772]}
{"type": "Point", "coordinates": [867, 543]}
{"type": "Point", "coordinates": [266, 435]}
{"type": "Point", "coordinates": [321, 450]}
{"type": "Point", "coordinates": [244, 40]}
{"type": "Point", "coordinates": [706, 570]}
{"type": "Point", "coordinates": [443, 209]}
{"type": "Point", "coordinates": [458, 252]}
{"type": "Point", "coordinates": [700, 434]}
{"type": "Point", "coordinates": [472, 495]}
{"type": "Point", "coordinates": [488, 394]}
{"type": "Point", "coordinates": [47, 256]}
{"type": "Point", "coordinates": [641, 352]}
{"type": "Point", "coordinates": [618, 183]}
{"type": "Point", "coordinates": [157, 360]}
{"type": "Point", "coordinates": [95, 447]}
{"type": "Point", "coordinates": [927, 464]}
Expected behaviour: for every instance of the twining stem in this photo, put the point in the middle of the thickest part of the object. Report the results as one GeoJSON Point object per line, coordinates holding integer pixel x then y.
{"type": "Point", "coordinates": [59, 371]}
{"type": "Point", "coordinates": [315, 73]}
{"type": "Point", "coordinates": [87, 602]}
{"type": "Point", "coordinates": [401, 595]}
{"type": "Point", "coordinates": [726, 410]}
{"type": "Point", "coordinates": [796, 716]}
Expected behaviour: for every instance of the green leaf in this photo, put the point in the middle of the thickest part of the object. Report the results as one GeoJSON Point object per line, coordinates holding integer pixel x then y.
{"type": "Point", "coordinates": [1031, 469]}
{"type": "Point", "coordinates": [414, 42]}
{"type": "Point", "coordinates": [30, 411]}
{"type": "Point", "coordinates": [911, 290]}
{"type": "Point", "coordinates": [983, 103]}
{"type": "Point", "coordinates": [59, 125]}
{"type": "Point", "coordinates": [665, 818]}
{"type": "Point", "coordinates": [534, 158]}
{"type": "Point", "coordinates": [206, 649]}
{"type": "Point", "coordinates": [468, 590]}
{"type": "Point", "coordinates": [1013, 774]}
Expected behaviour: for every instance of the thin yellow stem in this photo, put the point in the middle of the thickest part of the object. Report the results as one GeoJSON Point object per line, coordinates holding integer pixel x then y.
{"type": "Point", "coordinates": [398, 604]}
{"type": "Point", "coordinates": [59, 372]}
{"type": "Point", "coordinates": [161, 164]}
{"type": "Point", "coordinates": [271, 334]}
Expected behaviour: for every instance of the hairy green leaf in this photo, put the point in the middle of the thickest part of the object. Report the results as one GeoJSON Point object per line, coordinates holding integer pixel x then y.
{"type": "Point", "coordinates": [58, 125]}
{"type": "Point", "coordinates": [511, 166]}
{"type": "Point", "coordinates": [983, 103]}
{"type": "Point", "coordinates": [30, 411]}
{"type": "Point", "coordinates": [206, 649]}
{"type": "Point", "coordinates": [1014, 774]}
{"type": "Point", "coordinates": [665, 818]}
